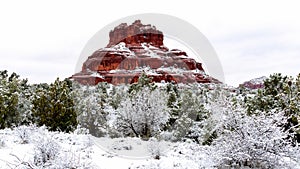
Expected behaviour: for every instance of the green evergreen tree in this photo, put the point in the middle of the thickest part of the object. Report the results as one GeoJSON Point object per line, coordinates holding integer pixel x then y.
{"type": "Point", "coordinates": [143, 81]}
{"type": "Point", "coordinates": [191, 110]}
{"type": "Point", "coordinates": [54, 107]}
{"type": "Point", "coordinates": [173, 102]}
{"type": "Point", "coordinates": [280, 93]}
{"type": "Point", "coordinates": [9, 99]}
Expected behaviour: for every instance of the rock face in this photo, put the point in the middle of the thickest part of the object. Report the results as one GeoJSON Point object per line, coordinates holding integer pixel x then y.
{"type": "Point", "coordinates": [257, 83]}
{"type": "Point", "coordinates": [135, 49]}
{"type": "Point", "coordinates": [135, 34]}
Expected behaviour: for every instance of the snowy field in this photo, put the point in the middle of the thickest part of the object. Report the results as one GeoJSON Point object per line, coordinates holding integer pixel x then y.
{"type": "Point", "coordinates": [31, 147]}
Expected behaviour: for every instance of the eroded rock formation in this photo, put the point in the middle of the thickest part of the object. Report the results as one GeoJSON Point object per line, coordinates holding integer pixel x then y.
{"type": "Point", "coordinates": [257, 83]}
{"type": "Point", "coordinates": [135, 49]}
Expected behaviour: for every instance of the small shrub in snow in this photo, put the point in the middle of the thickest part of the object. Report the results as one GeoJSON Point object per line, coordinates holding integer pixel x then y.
{"type": "Point", "coordinates": [151, 165]}
{"type": "Point", "coordinates": [86, 142]}
{"type": "Point", "coordinates": [81, 130]}
{"type": "Point", "coordinates": [2, 142]}
{"type": "Point", "coordinates": [45, 149]}
{"type": "Point", "coordinates": [122, 145]}
{"type": "Point", "coordinates": [155, 149]}
{"type": "Point", "coordinates": [71, 160]}
{"type": "Point", "coordinates": [23, 133]}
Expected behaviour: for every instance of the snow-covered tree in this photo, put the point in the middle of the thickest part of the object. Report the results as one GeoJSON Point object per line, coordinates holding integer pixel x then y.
{"type": "Point", "coordinates": [143, 81]}
{"type": "Point", "coordinates": [144, 114]}
{"type": "Point", "coordinates": [238, 139]}
{"type": "Point", "coordinates": [25, 105]}
{"type": "Point", "coordinates": [116, 95]}
{"type": "Point", "coordinates": [280, 94]}
{"type": "Point", "coordinates": [191, 109]}
{"type": "Point", "coordinates": [90, 107]}
{"type": "Point", "coordinates": [14, 99]}
{"type": "Point", "coordinates": [256, 141]}
{"type": "Point", "coordinates": [219, 104]}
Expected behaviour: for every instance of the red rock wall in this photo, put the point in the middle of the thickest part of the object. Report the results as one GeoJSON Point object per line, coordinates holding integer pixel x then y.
{"type": "Point", "coordinates": [98, 66]}
{"type": "Point", "coordinates": [136, 34]}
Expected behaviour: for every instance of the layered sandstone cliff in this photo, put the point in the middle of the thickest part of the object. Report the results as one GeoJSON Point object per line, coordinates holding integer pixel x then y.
{"type": "Point", "coordinates": [135, 49]}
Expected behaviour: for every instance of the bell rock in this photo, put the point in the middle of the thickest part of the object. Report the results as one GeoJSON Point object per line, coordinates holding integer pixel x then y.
{"type": "Point", "coordinates": [135, 49]}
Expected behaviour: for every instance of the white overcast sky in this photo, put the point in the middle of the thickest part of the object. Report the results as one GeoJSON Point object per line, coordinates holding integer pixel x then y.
{"type": "Point", "coordinates": [42, 40]}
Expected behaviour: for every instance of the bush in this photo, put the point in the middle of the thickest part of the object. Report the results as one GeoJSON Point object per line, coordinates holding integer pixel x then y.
{"type": "Point", "coordinates": [46, 150]}
{"type": "Point", "coordinates": [280, 94]}
{"type": "Point", "coordinates": [243, 140]}
{"type": "Point", "coordinates": [144, 114]}
{"type": "Point", "coordinates": [90, 108]}
{"type": "Point", "coordinates": [54, 107]}
{"type": "Point", "coordinates": [10, 90]}
{"type": "Point", "coordinates": [23, 133]}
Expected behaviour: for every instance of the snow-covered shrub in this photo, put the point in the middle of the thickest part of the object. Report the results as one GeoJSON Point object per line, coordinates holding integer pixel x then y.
{"type": "Point", "coordinates": [45, 150]}
{"type": "Point", "coordinates": [155, 149]}
{"type": "Point", "coordinates": [81, 130]}
{"type": "Point", "coordinates": [116, 95]}
{"type": "Point", "coordinates": [280, 93]}
{"type": "Point", "coordinates": [144, 114]}
{"type": "Point", "coordinates": [52, 150]}
{"type": "Point", "coordinates": [219, 106]}
{"type": "Point", "coordinates": [2, 142]}
{"type": "Point", "coordinates": [90, 108]}
{"type": "Point", "coordinates": [256, 141]}
{"type": "Point", "coordinates": [166, 135]}
{"type": "Point", "coordinates": [71, 160]}
{"type": "Point", "coordinates": [24, 133]}
{"type": "Point", "coordinates": [181, 127]}
{"type": "Point", "coordinates": [240, 139]}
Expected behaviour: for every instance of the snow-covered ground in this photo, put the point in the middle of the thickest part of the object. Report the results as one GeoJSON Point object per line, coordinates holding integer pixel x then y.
{"type": "Point", "coordinates": [32, 147]}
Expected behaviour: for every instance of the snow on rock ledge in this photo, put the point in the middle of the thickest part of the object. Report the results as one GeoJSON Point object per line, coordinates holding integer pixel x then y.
{"type": "Point", "coordinates": [133, 48]}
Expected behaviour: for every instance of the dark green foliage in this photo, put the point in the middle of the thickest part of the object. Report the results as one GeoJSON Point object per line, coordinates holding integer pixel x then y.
{"type": "Point", "coordinates": [54, 107]}
{"type": "Point", "coordinates": [275, 95]}
{"type": "Point", "coordinates": [25, 103]}
{"type": "Point", "coordinates": [143, 81]}
{"type": "Point", "coordinates": [101, 89]}
{"type": "Point", "coordinates": [281, 93]}
{"type": "Point", "coordinates": [186, 107]}
{"type": "Point", "coordinates": [10, 89]}
{"type": "Point", "coordinates": [116, 95]}
{"type": "Point", "coordinates": [173, 102]}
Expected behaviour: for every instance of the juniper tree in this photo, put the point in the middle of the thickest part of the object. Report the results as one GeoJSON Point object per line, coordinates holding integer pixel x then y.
{"type": "Point", "coordinates": [54, 107]}
{"type": "Point", "coordinates": [280, 94]}
{"type": "Point", "coordinates": [9, 99]}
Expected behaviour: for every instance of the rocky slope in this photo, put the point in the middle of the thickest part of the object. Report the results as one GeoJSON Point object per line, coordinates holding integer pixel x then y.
{"type": "Point", "coordinates": [135, 49]}
{"type": "Point", "coordinates": [256, 83]}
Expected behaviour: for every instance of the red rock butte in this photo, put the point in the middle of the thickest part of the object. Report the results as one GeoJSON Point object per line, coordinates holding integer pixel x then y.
{"type": "Point", "coordinates": [135, 49]}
